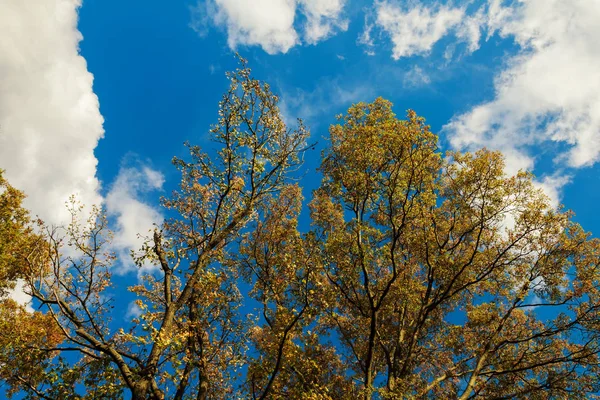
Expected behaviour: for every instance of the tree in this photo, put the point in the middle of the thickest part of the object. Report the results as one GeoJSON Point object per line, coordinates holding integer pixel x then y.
{"type": "Point", "coordinates": [432, 291]}
{"type": "Point", "coordinates": [422, 276]}
{"type": "Point", "coordinates": [17, 239]}
{"type": "Point", "coordinates": [22, 333]}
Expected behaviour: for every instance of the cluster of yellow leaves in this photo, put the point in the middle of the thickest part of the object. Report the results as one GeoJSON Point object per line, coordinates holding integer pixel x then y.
{"type": "Point", "coordinates": [24, 340]}
{"type": "Point", "coordinates": [20, 246]}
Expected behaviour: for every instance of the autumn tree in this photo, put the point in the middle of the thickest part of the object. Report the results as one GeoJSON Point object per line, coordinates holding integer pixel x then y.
{"type": "Point", "coordinates": [17, 239]}
{"type": "Point", "coordinates": [23, 333]}
{"type": "Point", "coordinates": [445, 277]}
{"type": "Point", "coordinates": [422, 276]}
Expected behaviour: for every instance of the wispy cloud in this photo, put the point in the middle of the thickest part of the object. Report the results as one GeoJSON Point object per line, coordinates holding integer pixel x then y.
{"type": "Point", "coordinates": [325, 99]}
{"type": "Point", "coordinates": [416, 77]}
{"type": "Point", "coordinates": [134, 217]}
{"type": "Point", "coordinates": [415, 28]}
{"type": "Point", "coordinates": [323, 19]}
{"type": "Point", "coordinates": [133, 311]}
{"type": "Point", "coordinates": [332, 95]}
{"type": "Point", "coordinates": [366, 39]}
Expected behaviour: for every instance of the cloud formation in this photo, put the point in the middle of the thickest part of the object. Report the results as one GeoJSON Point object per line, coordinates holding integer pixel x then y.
{"type": "Point", "coordinates": [414, 30]}
{"type": "Point", "coordinates": [549, 92]}
{"type": "Point", "coordinates": [271, 24]}
{"type": "Point", "coordinates": [50, 121]}
{"type": "Point", "coordinates": [19, 295]}
{"type": "Point", "coordinates": [134, 218]}
{"type": "Point", "coordinates": [366, 38]}
{"type": "Point", "coordinates": [323, 19]}
{"type": "Point", "coordinates": [415, 77]}
{"type": "Point", "coordinates": [546, 96]}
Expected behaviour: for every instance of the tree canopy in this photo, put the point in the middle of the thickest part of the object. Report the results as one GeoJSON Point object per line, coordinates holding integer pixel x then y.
{"type": "Point", "coordinates": [422, 276]}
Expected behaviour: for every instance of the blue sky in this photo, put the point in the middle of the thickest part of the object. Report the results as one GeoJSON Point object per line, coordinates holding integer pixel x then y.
{"type": "Point", "coordinates": [97, 97]}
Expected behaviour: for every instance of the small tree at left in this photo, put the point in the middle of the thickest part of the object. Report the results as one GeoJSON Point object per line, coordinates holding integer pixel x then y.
{"type": "Point", "coordinates": [28, 338]}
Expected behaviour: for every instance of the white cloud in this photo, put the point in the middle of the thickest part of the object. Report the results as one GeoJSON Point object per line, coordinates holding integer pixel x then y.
{"type": "Point", "coordinates": [49, 115]}
{"type": "Point", "coordinates": [270, 23]}
{"type": "Point", "coordinates": [366, 38]}
{"type": "Point", "coordinates": [201, 17]}
{"type": "Point", "coordinates": [416, 77]}
{"type": "Point", "coordinates": [549, 92]}
{"type": "Point", "coordinates": [134, 218]}
{"type": "Point", "coordinates": [414, 31]}
{"type": "Point", "coordinates": [50, 121]}
{"type": "Point", "coordinates": [133, 311]}
{"type": "Point", "coordinates": [323, 19]}
{"type": "Point", "coordinates": [552, 186]}
{"type": "Point", "coordinates": [18, 294]}
{"type": "Point", "coordinates": [469, 29]}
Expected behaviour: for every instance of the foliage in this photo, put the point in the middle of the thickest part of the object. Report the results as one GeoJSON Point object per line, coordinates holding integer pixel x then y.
{"type": "Point", "coordinates": [18, 242]}
{"type": "Point", "coordinates": [26, 339]}
{"type": "Point", "coordinates": [422, 276]}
